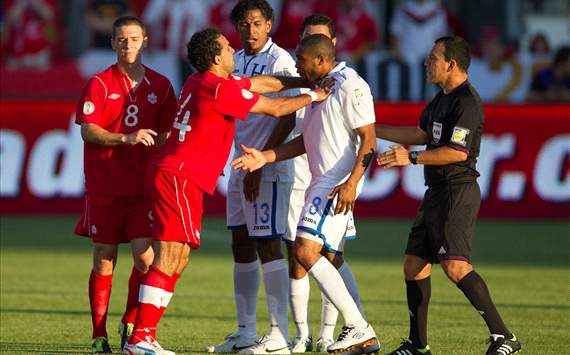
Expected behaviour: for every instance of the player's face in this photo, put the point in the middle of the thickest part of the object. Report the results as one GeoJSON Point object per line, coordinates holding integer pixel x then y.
{"type": "Point", "coordinates": [318, 29]}
{"type": "Point", "coordinates": [129, 42]}
{"type": "Point", "coordinates": [307, 64]}
{"type": "Point", "coordinates": [437, 67]}
{"type": "Point", "coordinates": [226, 55]}
{"type": "Point", "coordinates": [253, 31]}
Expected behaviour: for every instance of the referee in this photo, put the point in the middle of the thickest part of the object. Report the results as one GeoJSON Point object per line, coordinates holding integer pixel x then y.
{"type": "Point", "coordinates": [451, 127]}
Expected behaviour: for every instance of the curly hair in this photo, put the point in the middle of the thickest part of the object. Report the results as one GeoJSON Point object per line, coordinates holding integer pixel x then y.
{"type": "Point", "coordinates": [239, 11]}
{"type": "Point", "coordinates": [203, 47]}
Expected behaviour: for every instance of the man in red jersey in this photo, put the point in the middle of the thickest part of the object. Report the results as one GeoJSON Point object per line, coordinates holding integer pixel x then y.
{"type": "Point", "coordinates": [124, 112]}
{"type": "Point", "coordinates": [192, 161]}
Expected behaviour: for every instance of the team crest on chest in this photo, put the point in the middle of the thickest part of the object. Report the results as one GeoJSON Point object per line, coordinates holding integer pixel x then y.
{"type": "Point", "coordinates": [151, 98]}
{"type": "Point", "coordinates": [436, 131]}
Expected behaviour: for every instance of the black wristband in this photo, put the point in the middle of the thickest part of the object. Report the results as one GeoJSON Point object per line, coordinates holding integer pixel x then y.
{"type": "Point", "coordinates": [413, 156]}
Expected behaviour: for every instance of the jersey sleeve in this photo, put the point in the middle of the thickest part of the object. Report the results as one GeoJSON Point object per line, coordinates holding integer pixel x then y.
{"type": "Point", "coordinates": [424, 118]}
{"type": "Point", "coordinates": [167, 111]}
{"type": "Point", "coordinates": [233, 99]}
{"type": "Point", "coordinates": [90, 105]}
{"type": "Point", "coordinates": [358, 104]}
{"type": "Point", "coordinates": [469, 118]}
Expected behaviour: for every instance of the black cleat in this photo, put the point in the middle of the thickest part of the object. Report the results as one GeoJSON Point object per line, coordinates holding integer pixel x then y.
{"type": "Point", "coordinates": [100, 346]}
{"type": "Point", "coordinates": [407, 348]}
{"type": "Point", "coordinates": [501, 346]}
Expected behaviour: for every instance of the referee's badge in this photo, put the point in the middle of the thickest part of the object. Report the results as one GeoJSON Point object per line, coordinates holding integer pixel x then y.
{"type": "Point", "coordinates": [436, 131]}
{"type": "Point", "coordinates": [459, 136]}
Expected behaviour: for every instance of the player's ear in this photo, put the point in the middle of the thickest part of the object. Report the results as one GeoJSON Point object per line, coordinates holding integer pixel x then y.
{"type": "Point", "coordinates": [451, 65]}
{"type": "Point", "coordinates": [145, 42]}
{"type": "Point", "coordinates": [333, 40]}
{"type": "Point", "coordinates": [269, 25]}
{"type": "Point", "coordinates": [217, 59]}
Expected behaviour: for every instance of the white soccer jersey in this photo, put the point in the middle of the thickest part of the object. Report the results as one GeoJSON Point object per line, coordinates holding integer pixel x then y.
{"type": "Point", "coordinates": [300, 163]}
{"type": "Point", "coordinates": [255, 131]}
{"type": "Point", "coordinates": [328, 129]}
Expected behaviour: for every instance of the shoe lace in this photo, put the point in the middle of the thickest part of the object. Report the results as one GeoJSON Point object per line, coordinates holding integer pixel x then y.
{"type": "Point", "coordinates": [494, 344]}
{"type": "Point", "coordinates": [344, 333]}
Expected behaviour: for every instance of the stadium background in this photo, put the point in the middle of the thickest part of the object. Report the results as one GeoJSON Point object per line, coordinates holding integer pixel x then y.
{"type": "Point", "coordinates": [522, 243]}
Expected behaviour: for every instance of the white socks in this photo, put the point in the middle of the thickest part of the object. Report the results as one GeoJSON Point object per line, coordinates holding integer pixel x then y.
{"type": "Point", "coordinates": [275, 277]}
{"type": "Point", "coordinates": [332, 285]}
{"type": "Point", "coordinates": [246, 286]}
{"type": "Point", "coordinates": [299, 299]}
{"type": "Point", "coordinates": [348, 277]}
{"type": "Point", "coordinates": [329, 315]}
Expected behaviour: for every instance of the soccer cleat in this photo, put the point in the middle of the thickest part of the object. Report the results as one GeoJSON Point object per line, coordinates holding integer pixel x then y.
{"type": "Point", "coordinates": [323, 344]}
{"type": "Point", "coordinates": [353, 341]}
{"type": "Point", "coordinates": [233, 343]}
{"type": "Point", "coordinates": [149, 346]}
{"type": "Point", "coordinates": [407, 348]}
{"type": "Point", "coordinates": [501, 346]}
{"type": "Point", "coordinates": [267, 345]}
{"type": "Point", "coordinates": [100, 346]}
{"type": "Point", "coordinates": [125, 331]}
{"type": "Point", "coordinates": [302, 344]}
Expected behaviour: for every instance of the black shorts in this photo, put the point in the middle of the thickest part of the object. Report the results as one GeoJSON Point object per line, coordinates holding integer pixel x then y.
{"type": "Point", "coordinates": [445, 223]}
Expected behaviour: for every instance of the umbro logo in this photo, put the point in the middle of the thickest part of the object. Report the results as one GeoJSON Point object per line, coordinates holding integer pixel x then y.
{"type": "Point", "coordinates": [358, 335]}
{"type": "Point", "coordinates": [114, 96]}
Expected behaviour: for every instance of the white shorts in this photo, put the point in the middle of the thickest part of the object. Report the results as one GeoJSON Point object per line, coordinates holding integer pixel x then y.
{"type": "Point", "coordinates": [266, 218]}
{"type": "Point", "coordinates": [319, 223]}
{"type": "Point", "coordinates": [296, 203]}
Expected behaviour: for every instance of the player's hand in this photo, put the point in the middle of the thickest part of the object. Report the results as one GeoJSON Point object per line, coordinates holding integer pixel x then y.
{"type": "Point", "coordinates": [322, 93]}
{"type": "Point", "coordinates": [325, 83]}
{"type": "Point", "coordinates": [346, 197]}
{"type": "Point", "coordinates": [252, 160]}
{"type": "Point", "coordinates": [396, 156]}
{"type": "Point", "coordinates": [251, 185]}
{"type": "Point", "coordinates": [143, 136]}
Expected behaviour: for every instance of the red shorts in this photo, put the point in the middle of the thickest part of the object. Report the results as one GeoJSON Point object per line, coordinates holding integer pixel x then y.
{"type": "Point", "coordinates": [112, 219]}
{"type": "Point", "coordinates": [176, 206]}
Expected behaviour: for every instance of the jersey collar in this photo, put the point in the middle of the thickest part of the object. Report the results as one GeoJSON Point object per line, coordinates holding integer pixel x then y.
{"type": "Point", "coordinates": [340, 66]}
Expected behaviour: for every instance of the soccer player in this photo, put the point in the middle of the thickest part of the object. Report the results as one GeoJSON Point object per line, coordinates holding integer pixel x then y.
{"type": "Point", "coordinates": [450, 126]}
{"type": "Point", "coordinates": [124, 113]}
{"type": "Point", "coordinates": [257, 202]}
{"type": "Point", "coordinates": [299, 286]}
{"type": "Point", "coordinates": [338, 137]}
{"type": "Point", "coordinates": [191, 162]}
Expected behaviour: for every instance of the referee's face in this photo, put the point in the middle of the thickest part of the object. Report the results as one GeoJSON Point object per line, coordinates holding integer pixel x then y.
{"type": "Point", "coordinates": [437, 68]}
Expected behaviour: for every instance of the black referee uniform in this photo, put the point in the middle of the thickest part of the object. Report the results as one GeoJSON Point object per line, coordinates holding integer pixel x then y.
{"type": "Point", "coordinates": [445, 222]}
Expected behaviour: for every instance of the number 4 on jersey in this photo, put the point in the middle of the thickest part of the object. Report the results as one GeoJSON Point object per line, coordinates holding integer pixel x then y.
{"type": "Point", "coordinates": [183, 126]}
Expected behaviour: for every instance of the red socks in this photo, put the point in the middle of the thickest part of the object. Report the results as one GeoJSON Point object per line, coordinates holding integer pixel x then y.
{"type": "Point", "coordinates": [133, 296]}
{"type": "Point", "coordinates": [99, 292]}
{"type": "Point", "coordinates": [155, 293]}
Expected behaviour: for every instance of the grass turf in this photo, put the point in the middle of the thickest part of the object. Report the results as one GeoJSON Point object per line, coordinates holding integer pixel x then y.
{"type": "Point", "coordinates": [44, 272]}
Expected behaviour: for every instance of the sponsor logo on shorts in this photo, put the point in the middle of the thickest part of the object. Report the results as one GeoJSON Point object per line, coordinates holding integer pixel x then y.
{"type": "Point", "coordinates": [257, 228]}
{"type": "Point", "coordinates": [93, 229]}
{"type": "Point", "coordinates": [310, 220]}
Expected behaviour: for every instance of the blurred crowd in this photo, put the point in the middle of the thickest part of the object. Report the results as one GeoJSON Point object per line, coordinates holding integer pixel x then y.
{"type": "Point", "coordinates": [38, 34]}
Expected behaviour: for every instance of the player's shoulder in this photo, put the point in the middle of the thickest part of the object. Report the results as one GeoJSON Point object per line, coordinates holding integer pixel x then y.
{"type": "Point", "coordinates": [277, 56]}
{"type": "Point", "coordinates": [466, 95]}
{"type": "Point", "coordinates": [348, 79]}
{"type": "Point", "coordinates": [154, 78]}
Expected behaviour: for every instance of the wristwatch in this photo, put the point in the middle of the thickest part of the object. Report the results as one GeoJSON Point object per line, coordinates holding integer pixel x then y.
{"type": "Point", "coordinates": [413, 156]}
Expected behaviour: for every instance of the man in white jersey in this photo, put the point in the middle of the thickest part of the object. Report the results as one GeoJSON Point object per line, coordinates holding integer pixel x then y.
{"type": "Point", "coordinates": [339, 139]}
{"type": "Point", "coordinates": [257, 202]}
{"type": "Point", "coordinates": [299, 285]}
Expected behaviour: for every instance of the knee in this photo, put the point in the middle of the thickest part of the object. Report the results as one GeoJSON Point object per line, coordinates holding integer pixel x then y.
{"type": "Point", "coordinates": [243, 247]}
{"type": "Point", "coordinates": [104, 258]}
{"type": "Point", "coordinates": [269, 250]}
{"type": "Point", "coordinates": [416, 268]}
{"type": "Point", "coordinates": [456, 270]}
{"type": "Point", "coordinates": [305, 256]}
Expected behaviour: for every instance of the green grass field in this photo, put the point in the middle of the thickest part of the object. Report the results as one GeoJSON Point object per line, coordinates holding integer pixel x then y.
{"type": "Point", "coordinates": [44, 271]}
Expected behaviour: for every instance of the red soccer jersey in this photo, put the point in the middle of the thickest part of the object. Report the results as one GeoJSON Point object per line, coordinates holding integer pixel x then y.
{"type": "Point", "coordinates": [203, 131]}
{"type": "Point", "coordinates": [109, 102]}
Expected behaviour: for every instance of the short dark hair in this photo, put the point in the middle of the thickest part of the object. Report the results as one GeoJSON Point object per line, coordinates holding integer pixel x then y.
{"type": "Point", "coordinates": [203, 47]}
{"type": "Point", "coordinates": [456, 48]}
{"type": "Point", "coordinates": [127, 21]}
{"type": "Point", "coordinates": [239, 11]}
{"type": "Point", "coordinates": [319, 44]}
{"type": "Point", "coordinates": [319, 19]}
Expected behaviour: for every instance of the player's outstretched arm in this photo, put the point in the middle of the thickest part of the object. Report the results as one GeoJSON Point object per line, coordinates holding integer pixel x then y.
{"type": "Point", "coordinates": [346, 191]}
{"type": "Point", "coordinates": [254, 159]}
{"type": "Point", "coordinates": [281, 106]}
{"type": "Point", "coordinates": [399, 156]}
{"type": "Point", "coordinates": [92, 133]}
{"type": "Point", "coordinates": [265, 84]}
{"type": "Point", "coordinates": [401, 135]}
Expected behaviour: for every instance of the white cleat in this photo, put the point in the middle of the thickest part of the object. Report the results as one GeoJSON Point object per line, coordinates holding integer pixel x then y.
{"type": "Point", "coordinates": [233, 343]}
{"type": "Point", "coordinates": [268, 345]}
{"type": "Point", "coordinates": [323, 344]}
{"type": "Point", "coordinates": [354, 340]}
{"type": "Point", "coordinates": [302, 344]}
{"type": "Point", "coordinates": [148, 347]}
